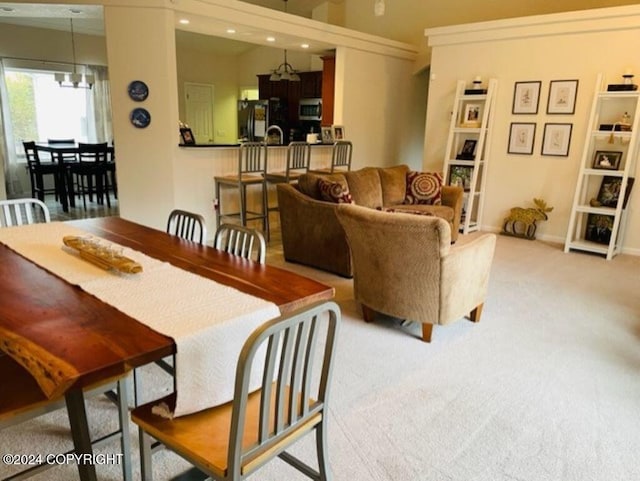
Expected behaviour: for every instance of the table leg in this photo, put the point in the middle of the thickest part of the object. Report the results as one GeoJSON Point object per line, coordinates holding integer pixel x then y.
{"type": "Point", "coordinates": [80, 432]}
{"type": "Point", "coordinates": [123, 419]}
{"type": "Point", "coordinates": [62, 183]}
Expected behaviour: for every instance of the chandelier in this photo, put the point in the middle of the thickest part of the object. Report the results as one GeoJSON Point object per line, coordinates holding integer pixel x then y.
{"type": "Point", "coordinates": [75, 79]}
{"type": "Point", "coordinates": [285, 71]}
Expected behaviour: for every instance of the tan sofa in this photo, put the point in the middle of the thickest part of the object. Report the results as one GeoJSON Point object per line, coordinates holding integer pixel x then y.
{"type": "Point", "coordinates": [311, 233]}
{"type": "Point", "coordinates": [405, 267]}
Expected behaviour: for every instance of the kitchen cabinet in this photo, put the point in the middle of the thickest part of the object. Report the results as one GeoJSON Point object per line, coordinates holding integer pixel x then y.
{"type": "Point", "coordinates": [310, 85]}
{"type": "Point", "coordinates": [598, 213]}
{"type": "Point", "coordinates": [290, 93]}
{"type": "Point", "coordinates": [328, 89]}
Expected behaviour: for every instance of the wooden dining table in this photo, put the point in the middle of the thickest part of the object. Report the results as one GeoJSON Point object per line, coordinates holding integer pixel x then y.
{"type": "Point", "coordinates": [67, 337]}
{"type": "Point", "coordinates": [65, 185]}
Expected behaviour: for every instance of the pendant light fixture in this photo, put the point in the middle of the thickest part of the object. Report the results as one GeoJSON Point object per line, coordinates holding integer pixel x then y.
{"type": "Point", "coordinates": [285, 71]}
{"type": "Point", "coordinates": [75, 79]}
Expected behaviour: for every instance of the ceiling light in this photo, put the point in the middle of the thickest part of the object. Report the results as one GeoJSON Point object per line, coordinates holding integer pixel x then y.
{"type": "Point", "coordinates": [184, 21]}
{"type": "Point", "coordinates": [75, 79]}
{"type": "Point", "coordinates": [271, 39]}
{"type": "Point", "coordinates": [378, 8]}
{"type": "Point", "coordinates": [231, 30]}
{"type": "Point", "coordinates": [305, 45]}
{"type": "Point", "coordinates": [285, 71]}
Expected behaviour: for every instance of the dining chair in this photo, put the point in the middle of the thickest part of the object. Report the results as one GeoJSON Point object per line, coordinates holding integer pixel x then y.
{"type": "Point", "coordinates": [241, 241]}
{"type": "Point", "coordinates": [187, 225]}
{"type": "Point", "coordinates": [251, 171]}
{"type": "Point", "coordinates": [23, 211]}
{"type": "Point", "coordinates": [298, 157]}
{"type": "Point", "coordinates": [341, 154]}
{"type": "Point", "coordinates": [89, 174]}
{"type": "Point", "coordinates": [38, 170]}
{"type": "Point", "coordinates": [23, 400]}
{"type": "Point", "coordinates": [231, 441]}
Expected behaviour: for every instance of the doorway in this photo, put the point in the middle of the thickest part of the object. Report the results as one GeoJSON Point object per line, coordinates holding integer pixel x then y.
{"type": "Point", "coordinates": [199, 111]}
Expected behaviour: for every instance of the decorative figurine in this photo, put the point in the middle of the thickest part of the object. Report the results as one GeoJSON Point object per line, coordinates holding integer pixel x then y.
{"type": "Point", "coordinates": [522, 222]}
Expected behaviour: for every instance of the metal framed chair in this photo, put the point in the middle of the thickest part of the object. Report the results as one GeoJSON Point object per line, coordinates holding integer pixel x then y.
{"type": "Point", "coordinates": [262, 424]}
{"type": "Point", "coordinates": [241, 241]}
{"type": "Point", "coordinates": [23, 400]}
{"type": "Point", "coordinates": [38, 170]}
{"type": "Point", "coordinates": [252, 170]}
{"type": "Point", "coordinates": [187, 225]}
{"type": "Point", "coordinates": [23, 211]}
{"type": "Point", "coordinates": [298, 158]}
{"type": "Point", "coordinates": [340, 157]}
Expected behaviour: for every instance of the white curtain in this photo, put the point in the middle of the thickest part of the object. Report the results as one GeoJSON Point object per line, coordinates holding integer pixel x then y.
{"type": "Point", "coordinates": [10, 185]}
{"type": "Point", "coordinates": [100, 105]}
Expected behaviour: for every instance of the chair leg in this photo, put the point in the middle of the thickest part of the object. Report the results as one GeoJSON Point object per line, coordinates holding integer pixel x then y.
{"type": "Point", "coordinates": [427, 329]}
{"type": "Point", "coordinates": [323, 453]}
{"type": "Point", "coordinates": [243, 205]}
{"type": "Point", "coordinates": [218, 206]}
{"type": "Point", "coordinates": [123, 419]}
{"type": "Point", "coordinates": [368, 314]}
{"type": "Point", "coordinates": [265, 210]}
{"type": "Point", "coordinates": [146, 462]}
{"type": "Point", "coordinates": [476, 313]}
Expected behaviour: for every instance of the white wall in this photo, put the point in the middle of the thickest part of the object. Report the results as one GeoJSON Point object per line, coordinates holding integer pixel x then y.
{"type": "Point", "coordinates": [553, 47]}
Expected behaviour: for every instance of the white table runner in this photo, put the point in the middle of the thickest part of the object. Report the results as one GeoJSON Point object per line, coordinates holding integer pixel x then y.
{"type": "Point", "coordinates": [208, 321]}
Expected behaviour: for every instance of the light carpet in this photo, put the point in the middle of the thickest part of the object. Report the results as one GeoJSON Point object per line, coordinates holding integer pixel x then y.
{"type": "Point", "coordinates": [545, 387]}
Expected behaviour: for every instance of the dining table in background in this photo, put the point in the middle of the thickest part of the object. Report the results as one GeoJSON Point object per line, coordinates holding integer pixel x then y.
{"type": "Point", "coordinates": [52, 321]}
{"type": "Point", "coordinates": [58, 150]}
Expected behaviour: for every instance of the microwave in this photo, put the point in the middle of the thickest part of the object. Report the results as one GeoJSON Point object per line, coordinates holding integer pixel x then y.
{"type": "Point", "coordinates": [310, 109]}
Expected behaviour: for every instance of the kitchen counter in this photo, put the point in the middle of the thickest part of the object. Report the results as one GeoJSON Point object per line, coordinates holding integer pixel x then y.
{"type": "Point", "coordinates": [237, 145]}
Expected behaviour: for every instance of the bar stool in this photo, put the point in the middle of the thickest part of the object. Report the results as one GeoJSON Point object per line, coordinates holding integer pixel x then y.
{"type": "Point", "coordinates": [252, 170]}
{"type": "Point", "coordinates": [298, 157]}
{"type": "Point", "coordinates": [340, 158]}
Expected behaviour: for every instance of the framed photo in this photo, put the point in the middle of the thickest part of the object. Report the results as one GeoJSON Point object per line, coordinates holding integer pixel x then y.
{"type": "Point", "coordinates": [521, 137]}
{"type": "Point", "coordinates": [460, 175]}
{"type": "Point", "coordinates": [562, 97]}
{"type": "Point", "coordinates": [526, 97]}
{"type": "Point", "coordinates": [556, 139]}
{"type": "Point", "coordinates": [187, 136]}
{"type": "Point", "coordinates": [607, 160]}
{"type": "Point", "coordinates": [327, 135]}
{"type": "Point", "coordinates": [338, 132]}
{"type": "Point", "coordinates": [599, 228]}
{"type": "Point", "coordinates": [472, 115]}
{"type": "Point", "coordinates": [468, 151]}
{"type": "Point", "coordinates": [609, 193]}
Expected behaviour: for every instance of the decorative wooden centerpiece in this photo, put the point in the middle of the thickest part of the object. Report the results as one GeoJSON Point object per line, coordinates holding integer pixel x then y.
{"type": "Point", "coordinates": [521, 222]}
{"type": "Point", "coordinates": [100, 255]}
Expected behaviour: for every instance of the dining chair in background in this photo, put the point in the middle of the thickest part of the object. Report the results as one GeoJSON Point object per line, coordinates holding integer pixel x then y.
{"type": "Point", "coordinates": [241, 241]}
{"type": "Point", "coordinates": [187, 225]}
{"type": "Point", "coordinates": [232, 441]}
{"type": "Point", "coordinates": [23, 211]}
{"type": "Point", "coordinates": [251, 171]}
{"type": "Point", "coordinates": [23, 400]}
{"type": "Point", "coordinates": [298, 158]}
{"type": "Point", "coordinates": [68, 156]}
{"type": "Point", "coordinates": [38, 170]}
{"type": "Point", "coordinates": [89, 173]}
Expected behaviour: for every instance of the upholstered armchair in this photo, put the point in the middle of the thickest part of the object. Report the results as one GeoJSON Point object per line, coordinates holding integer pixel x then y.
{"type": "Point", "coordinates": [405, 266]}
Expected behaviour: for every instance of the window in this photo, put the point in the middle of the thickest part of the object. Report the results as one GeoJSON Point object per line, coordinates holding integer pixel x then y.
{"type": "Point", "coordinates": [40, 109]}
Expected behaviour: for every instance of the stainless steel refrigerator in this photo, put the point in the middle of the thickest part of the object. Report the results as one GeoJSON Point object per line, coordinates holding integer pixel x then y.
{"type": "Point", "coordinates": [253, 120]}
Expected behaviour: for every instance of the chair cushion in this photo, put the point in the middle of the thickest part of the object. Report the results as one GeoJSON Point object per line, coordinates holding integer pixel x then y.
{"type": "Point", "coordinates": [364, 185]}
{"type": "Point", "coordinates": [405, 211]}
{"type": "Point", "coordinates": [334, 192]}
{"type": "Point", "coordinates": [443, 211]}
{"type": "Point", "coordinates": [394, 184]}
{"type": "Point", "coordinates": [423, 188]}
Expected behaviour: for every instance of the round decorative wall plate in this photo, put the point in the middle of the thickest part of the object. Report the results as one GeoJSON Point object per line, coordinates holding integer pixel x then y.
{"type": "Point", "coordinates": [140, 118]}
{"type": "Point", "coordinates": [138, 90]}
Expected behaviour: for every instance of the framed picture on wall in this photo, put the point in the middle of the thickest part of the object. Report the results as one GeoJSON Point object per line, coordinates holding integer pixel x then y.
{"type": "Point", "coordinates": [562, 97]}
{"type": "Point", "coordinates": [556, 139]}
{"type": "Point", "coordinates": [521, 138]}
{"type": "Point", "coordinates": [526, 97]}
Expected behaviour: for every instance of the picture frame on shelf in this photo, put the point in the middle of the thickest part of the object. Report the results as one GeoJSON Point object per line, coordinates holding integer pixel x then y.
{"type": "Point", "coordinates": [460, 175]}
{"type": "Point", "coordinates": [521, 138]}
{"type": "Point", "coordinates": [526, 97]}
{"type": "Point", "coordinates": [338, 132]}
{"type": "Point", "coordinates": [562, 97]}
{"type": "Point", "coordinates": [472, 115]}
{"type": "Point", "coordinates": [609, 160]}
{"type": "Point", "coordinates": [599, 228]}
{"type": "Point", "coordinates": [187, 136]}
{"type": "Point", "coordinates": [610, 188]}
{"type": "Point", "coordinates": [556, 139]}
{"type": "Point", "coordinates": [468, 151]}
{"type": "Point", "coordinates": [326, 134]}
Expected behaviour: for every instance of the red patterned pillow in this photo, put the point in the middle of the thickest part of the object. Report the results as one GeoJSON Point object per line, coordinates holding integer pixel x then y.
{"type": "Point", "coordinates": [423, 188]}
{"type": "Point", "coordinates": [334, 192]}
